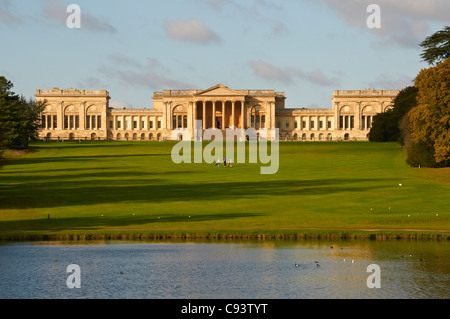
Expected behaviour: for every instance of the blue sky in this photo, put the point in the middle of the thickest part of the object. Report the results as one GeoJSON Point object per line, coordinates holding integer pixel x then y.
{"type": "Point", "coordinates": [305, 48]}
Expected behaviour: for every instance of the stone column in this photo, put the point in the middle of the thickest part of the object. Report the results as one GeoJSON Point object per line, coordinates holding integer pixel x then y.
{"type": "Point", "coordinates": [60, 117]}
{"type": "Point", "coordinates": [204, 115]}
{"type": "Point", "coordinates": [213, 114]}
{"type": "Point", "coordinates": [223, 116]}
{"type": "Point", "coordinates": [232, 113]}
{"type": "Point", "coordinates": [242, 114]}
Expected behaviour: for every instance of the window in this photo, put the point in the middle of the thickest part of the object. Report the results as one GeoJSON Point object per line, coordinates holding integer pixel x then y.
{"type": "Point", "coordinates": [119, 124]}
{"type": "Point", "coordinates": [180, 122]}
{"type": "Point", "coordinates": [99, 121]}
{"type": "Point", "coordinates": [43, 125]}
{"type": "Point", "coordinates": [55, 121]}
{"type": "Point", "coordinates": [77, 121]}
{"type": "Point", "coordinates": [93, 121]}
{"type": "Point", "coordinates": [321, 124]}
{"type": "Point", "coordinates": [88, 121]}
{"type": "Point", "coordinates": [303, 124]}
{"type": "Point", "coordinates": [329, 125]}
{"type": "Point", "coordinates": [278, 124]}
{"type": "Point", "coordinates": [159, 124]}
{"type": "Point", "coordinates": [111, 124]}
{"type": "Point", "coordinates": [71, 122]}
{"type": "Point", "coordinates": [66, 122]}
{"type": "Point", "coordinates": [341, 122]}
{"type": "Point", "coordinates": [174, 121]}
{"type": "Point", "coordinates": [151, 124]}
{"type": "Point", "coordinates": [142, 124]}
{"type": "Point", "coordinates": [135, 124]}
{"type": "Point", "coordinates": [287, 124]}
{"type": "Point", "coordinates": [49, 121]}
{"type": "Point", "coordinates": [352, 122]}
{"type": "Point", "coordinates": [185, 124]}
{"type": "Point", "coordinates": [263, 121]}
{"type": "Point", "coordinates": [312, 124]}
{"type": "Point", "coordinates": [295, 124]}
{"type": "Point", "coordinates": [363, 123]}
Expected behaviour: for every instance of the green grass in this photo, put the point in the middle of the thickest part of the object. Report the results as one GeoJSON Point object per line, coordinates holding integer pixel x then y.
{"type": "Point", "coordinates": [320, 188]}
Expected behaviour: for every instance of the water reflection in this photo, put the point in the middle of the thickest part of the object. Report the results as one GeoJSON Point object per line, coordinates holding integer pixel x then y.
{"type": "Point", "coordinates": [226, 269]}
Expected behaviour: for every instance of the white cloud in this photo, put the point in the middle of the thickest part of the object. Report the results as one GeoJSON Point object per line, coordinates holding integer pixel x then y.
{"type": "Point", "coordinates": [403, 22]}
{"type": "Point", "coordinates": [191, 30]}
{"type": "Point", "coordinates": [287, 75]}
{"type": "Point", "coordinates": [54, 10]}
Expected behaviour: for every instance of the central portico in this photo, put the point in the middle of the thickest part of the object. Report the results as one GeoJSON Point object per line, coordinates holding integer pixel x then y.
{"type": "Point", "coordinates": [219, 107]}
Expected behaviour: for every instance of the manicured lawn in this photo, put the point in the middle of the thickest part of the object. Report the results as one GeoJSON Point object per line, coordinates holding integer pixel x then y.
{"type": "Point", "coordinates": [104, 186]}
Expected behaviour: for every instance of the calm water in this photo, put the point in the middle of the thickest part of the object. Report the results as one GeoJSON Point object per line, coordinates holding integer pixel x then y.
{"type": "Point", "coordinates": [226, 270]}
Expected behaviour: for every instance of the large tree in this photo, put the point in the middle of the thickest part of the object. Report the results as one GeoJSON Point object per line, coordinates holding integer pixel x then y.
{"type": "Point", "coordinates": [436, 47]}
{"type": "Point", "coordinates": [19, 118]}
{"type": "Point", "coordinates": [429, 122]}
{"type": "Point", "coordinates": [385, 127]}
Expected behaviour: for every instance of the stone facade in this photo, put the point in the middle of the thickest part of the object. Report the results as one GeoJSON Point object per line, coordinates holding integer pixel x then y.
{"type": "Point", "coordinates": [73, 114]}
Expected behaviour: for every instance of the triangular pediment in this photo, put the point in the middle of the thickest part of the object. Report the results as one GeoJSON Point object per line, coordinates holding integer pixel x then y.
{"type": "Point", "coordinates": [218, 90]}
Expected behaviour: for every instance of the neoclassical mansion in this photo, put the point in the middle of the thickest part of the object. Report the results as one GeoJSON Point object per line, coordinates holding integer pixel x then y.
{"type": "Point", "coordinates": [73, 114]}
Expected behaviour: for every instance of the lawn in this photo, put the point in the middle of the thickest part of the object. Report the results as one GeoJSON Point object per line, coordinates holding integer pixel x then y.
{"type": "Point", "coordinates": [134, 187]}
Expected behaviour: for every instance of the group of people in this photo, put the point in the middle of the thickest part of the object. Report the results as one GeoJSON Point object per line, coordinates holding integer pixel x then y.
{"type": "Point", "coordinates": [226, 163]}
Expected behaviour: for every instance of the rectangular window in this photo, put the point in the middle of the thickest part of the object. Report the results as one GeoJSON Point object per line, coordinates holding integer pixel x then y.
{"type": "Point", "coordinates": [88, 121]}
{"type": "Point", "coordinates": [151, 124]}
{"type": "Point", "coordinates": [159, 124]}
{"type": "Point", "coordinates": [329, 125]}
{"type": "Point", "coordinates": [55, 121]}
{"type": "Point", "coordinates": [174, 121]}
{"type": "Point", "coordinates": [135, 124]}
{"type": "Point", "coordinates": [312, 124]}
{"type": "Point", "coordinates": [180, 122]}
{"type": "Point", "coordinates": [287, 124]}
{"type": "Point", "coordinates": [263, 121]}
{"type": "Point", "coordinates": [341, 122]}
{"type": "Point", "coordinates": [43, 124]}
{"type": "Point", "coordinates": [93, 121]}
{"type": "Point", "coordinates": [77, 122]}
{"type": "Point", "coordinates": [295, 124]}
{"type": "Point", "coordinates": [142, 125]}
{"type": "Point", "coordinates": [49, 121]}
{"type": "Point", "coordinates": [111, 123]}
{"type": "Point", "coordinates": [119, 124]}
{"type": "Point", "coordinates": [185, 124]}
{"type": "Point", "coordinates": [278, 124]}
{"type": "Point", "coordinates": [363, 122]}
{"type": "Point", "coordinates": [303, 124]}
{"type": "Point", "coordinates": [99, 121]}
{"type": "Point", "coordinates": [252, 120]}
{"type": "Point", "coordinates": [321, 124]}
{"type": "Point", "coordinates": [71, 122]}
{"type": "Point", "coordinates": [352, 122]}
{"type": "Point", "coordinates": [66, 122]}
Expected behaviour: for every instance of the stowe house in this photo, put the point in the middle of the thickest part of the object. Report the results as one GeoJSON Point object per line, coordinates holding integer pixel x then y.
{"type": "Point", "coordinates": [73, 114]}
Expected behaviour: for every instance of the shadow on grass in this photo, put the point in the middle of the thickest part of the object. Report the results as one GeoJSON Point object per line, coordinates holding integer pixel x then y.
{"type": "Point", "coordinates": [138, 190]}
{"type": "Point", "coordinates": [87, 158]}
{"type": "Point", "coordinates": [88, 223]}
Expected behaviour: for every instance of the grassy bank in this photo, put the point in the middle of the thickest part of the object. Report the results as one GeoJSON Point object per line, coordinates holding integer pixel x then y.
{"type": "Point", "coordinates": [133, 190]}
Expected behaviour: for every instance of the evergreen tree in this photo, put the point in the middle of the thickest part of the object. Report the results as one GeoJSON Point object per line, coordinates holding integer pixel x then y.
{"type": "Point", "coordinates": [19, 118]}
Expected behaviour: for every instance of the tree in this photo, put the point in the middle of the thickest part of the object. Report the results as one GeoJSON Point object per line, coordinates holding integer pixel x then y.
{"type": "Point", "coordinates": [19, 118]}
{"type": "Point", "coordinates": [385, 126]}
{"type": "Point", "coordinates": [429, 122]}
{"type": "Point", "coordinates": [436, 47]}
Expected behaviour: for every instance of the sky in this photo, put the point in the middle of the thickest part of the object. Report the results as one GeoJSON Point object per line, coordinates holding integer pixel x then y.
{"type": "Point", "coordinates": [305, 48]}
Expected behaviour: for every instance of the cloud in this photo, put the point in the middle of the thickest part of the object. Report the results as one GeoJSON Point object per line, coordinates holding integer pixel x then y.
{"type": "Point", "coordinates": [404, 23]}
{"type": "Point", "coordinates": [7, 15]}
{"type": "Point", "coordinates": [288, 75]}
{"type": "Point", "coordinates": [56, 11]}
{"type": "Point", "coordinates": [191, 30]}
{"type": "Point", "coordinates": [388, 82]}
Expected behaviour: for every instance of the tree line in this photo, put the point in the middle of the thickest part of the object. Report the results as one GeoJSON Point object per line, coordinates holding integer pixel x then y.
{"type": "Point", "coordinates": [19, 118]}
{"type": "Point", "coordinates": [420, 117]}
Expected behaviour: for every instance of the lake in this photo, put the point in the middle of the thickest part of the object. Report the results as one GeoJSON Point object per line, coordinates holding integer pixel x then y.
{"type": "Point", "coordinates": [226, 270]}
